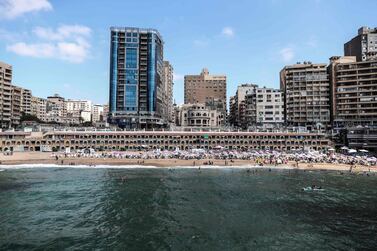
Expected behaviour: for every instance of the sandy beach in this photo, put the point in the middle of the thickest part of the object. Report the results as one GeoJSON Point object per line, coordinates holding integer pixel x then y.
{"type": "Point", "coordinates": [19, 158]}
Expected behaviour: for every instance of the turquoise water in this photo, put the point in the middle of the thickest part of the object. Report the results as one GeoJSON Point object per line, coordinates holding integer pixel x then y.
{"type": "Point", "coordinates": [185, 209]}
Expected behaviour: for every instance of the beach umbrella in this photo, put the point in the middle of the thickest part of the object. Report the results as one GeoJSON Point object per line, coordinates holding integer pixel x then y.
{"type": "Point", "coordinates": [363, 151]}
{"type": "Point", "coordinates": [352, 151]}
{"type": "Point", "coordinates": [344, 148]}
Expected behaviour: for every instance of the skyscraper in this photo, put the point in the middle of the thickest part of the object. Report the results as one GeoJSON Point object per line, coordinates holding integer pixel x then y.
{"type": "Point", "coordinates": [136, 78]}
{"type": "Point", "coordinates": [363, 46]}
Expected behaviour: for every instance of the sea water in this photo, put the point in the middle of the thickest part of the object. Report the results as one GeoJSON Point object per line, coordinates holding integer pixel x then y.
{"type": "Point", "coordinates": [138, 208]}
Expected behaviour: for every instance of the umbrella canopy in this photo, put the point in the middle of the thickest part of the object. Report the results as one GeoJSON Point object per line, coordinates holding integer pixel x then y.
{"type": "Point", "coordinates": [352, 151]}
{"type": "Point", "coordinates": [344, 148]}
{"type": "Point", "coordinates": [363, 151]}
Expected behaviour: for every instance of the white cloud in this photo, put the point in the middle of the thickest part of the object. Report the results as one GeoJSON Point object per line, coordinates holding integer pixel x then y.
{"type": "Point", "coordinates": [228, 31]}
{"type": "Point", "coordinates": [68, 42]}
{"type": "Point", "coordinates": [10, 9]}
{"type": "Point", "coordinates": [63, 32]}
{"type": "Point", "coordinates": [287, 54]}
{"type": "Point", "coordinates": [177, 77]}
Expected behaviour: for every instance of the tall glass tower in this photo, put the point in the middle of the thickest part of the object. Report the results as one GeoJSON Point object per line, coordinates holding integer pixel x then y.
{"type": "Point", "coordinates": [136, 78]}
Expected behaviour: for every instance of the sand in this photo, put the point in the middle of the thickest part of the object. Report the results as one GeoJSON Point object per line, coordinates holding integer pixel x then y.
{"type": "Point", "coordinates": [19, 158]}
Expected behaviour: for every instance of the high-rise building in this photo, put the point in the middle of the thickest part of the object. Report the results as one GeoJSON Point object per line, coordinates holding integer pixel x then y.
{"type": "Point", "coordinates": [26, 101]}
{"type": "Point", "coordinates": [238, 105]}
{"type": "Point", "coordinates": [136, 78]}
{"type": "Point", "coordinates": [168, 91]}
{"type": "Point", "coordinates": [354, 92]}
{"type": "Point", "coordinates": [39, 108]}
{"type": "Point", "coordinates": [306, 95]}
{"type": "Point", "coordinates": [16, 105]}
{"type": "Point", "coordinates": [363, 46]}
{"type": "Point", "coordinates": [206, 89]}
{"type": "Point", "coordinates": [55, 109]}
{"type": "Point", "coordinates": [5, 95]}
{"type": "Point", "coordinates": [264, 106]}
{"type": "Point", "coordinates": [97, 113]}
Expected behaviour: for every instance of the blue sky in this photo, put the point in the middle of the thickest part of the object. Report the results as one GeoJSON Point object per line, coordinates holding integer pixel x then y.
{"type": "Point", "coordinates": [62, 46]}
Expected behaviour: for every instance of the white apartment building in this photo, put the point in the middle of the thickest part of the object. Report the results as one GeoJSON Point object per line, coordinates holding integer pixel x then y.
{"type": "Point", "coordinates": [79, 109]}
{"type": "Point", "coordinates": [270, 105]}
{"type": "Point", "coordinates": [98, 113]}
{"type": "Point", "coordinates": [265, 106]}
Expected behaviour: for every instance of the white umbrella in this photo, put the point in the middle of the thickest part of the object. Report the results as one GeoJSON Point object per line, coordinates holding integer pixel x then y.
{"type": "Point", "coordinates": [352, 151]}
{"type": "Point", "coordinates": [363, 151]}
{"type": "Point", "coordinates": [344, 148]}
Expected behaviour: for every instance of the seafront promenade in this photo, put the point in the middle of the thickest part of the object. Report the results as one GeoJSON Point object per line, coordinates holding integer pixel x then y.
{"type": "Point", "coordinates": [163, 140]}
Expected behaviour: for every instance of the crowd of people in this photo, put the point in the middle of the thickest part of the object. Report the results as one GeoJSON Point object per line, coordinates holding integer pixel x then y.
{"type": "Point", "coordinates": [260, 157]}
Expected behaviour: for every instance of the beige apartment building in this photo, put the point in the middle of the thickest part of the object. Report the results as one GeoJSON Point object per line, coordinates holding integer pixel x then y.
{"type": "Point", "coordinates": [168, 91]}
{"type": "Point", "coordinates": [306, 91]}
{"type": "Point", "coordinates": [16, 105]}
{"type": "Point", "coordinates": [38, 108]}
{"type": "Point", "coordinates": [5, 95]}
{"type": "Point", "coordinates": [206, 89]}
{"type": "Point", "coordinates": [26, 101]}
{"type": "Point", "coordinates": [354, 91]}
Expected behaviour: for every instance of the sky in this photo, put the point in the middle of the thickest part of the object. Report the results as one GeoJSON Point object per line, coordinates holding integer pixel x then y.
{"type": "Point", "coordinates": [62, 46]}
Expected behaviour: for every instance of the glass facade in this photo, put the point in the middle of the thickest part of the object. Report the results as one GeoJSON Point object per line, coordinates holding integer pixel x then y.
{"type": "Point", "coordinates": [130, 100]}
{"type": "Point", "coordinates": [151, 73]}
{"type": "Point", "coordinates": [113, 70]}
{"type": "Point", "coordinates": [135, 57]}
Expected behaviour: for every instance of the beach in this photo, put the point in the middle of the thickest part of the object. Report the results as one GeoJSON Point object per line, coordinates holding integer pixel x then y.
{"type": "Point", "coordinates": [24, 158]}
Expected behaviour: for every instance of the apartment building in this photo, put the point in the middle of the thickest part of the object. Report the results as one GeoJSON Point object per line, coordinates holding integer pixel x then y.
{"type": "Point", "coordinates": [16, 105]}
{"type": "Point", "coordinates": [39, 108]}
{"type": "Point", "coordinates": [98, 113]}
{"type": "Point", "coordinates": [264, 106]}
{"type": "Point", "coordinates": [5, 95]}
{"type": "Point", "coordinates": [26, 101]}
{"type": "Point", "coordinates": [306, 91]}
{"type": "Point", "coordinates": [168, 91]}
{"type": "Point", "coordinates": [55, 109]}
{"type": "Point", "coordinates": [237, 116]}
{"type": "Point", "coordinates": [363, 46]}
{"type": "Point", "coordinates": [81, 110]}
{"type": "Point", "coordinates": [206, 89]}
{"type": "Point", "coordinates": [354, 91]}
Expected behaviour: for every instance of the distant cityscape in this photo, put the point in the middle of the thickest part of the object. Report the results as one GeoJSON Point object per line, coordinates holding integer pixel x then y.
{"type": "Point", "coordinates": [338, 98]}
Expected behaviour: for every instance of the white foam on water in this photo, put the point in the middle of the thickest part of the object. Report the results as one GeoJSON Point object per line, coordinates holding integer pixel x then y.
{"type": "Point", "coordinates": [29, 166]}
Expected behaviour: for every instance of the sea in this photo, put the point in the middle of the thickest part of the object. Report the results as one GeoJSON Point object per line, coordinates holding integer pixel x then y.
{"type": "Point", "coordinates": [147, 208]}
